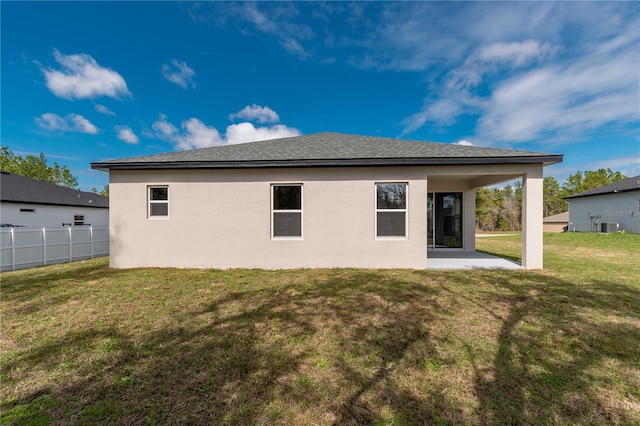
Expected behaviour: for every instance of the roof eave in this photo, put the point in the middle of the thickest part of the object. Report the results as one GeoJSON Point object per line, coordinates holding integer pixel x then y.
{"type": "Point", "coordinates": [40, 203]}
{"type": "Point", "coordinates": [355, 162]}
{"type": "Point", "coordinates": [619, 191]}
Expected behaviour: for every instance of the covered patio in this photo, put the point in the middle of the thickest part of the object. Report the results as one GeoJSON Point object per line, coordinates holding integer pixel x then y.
{"type": "Point", "coordinates": [454, 259]}
{"type": "Point", "coordinates": [451, 215]}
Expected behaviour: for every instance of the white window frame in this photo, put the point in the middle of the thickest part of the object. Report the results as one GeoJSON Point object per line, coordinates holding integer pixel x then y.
{"type": "Point", "coordinates": [377, 210]}
{"type": "Point", "coordinates": [274, 212]}
{"type": "Point", "coordinates": [150, 201]}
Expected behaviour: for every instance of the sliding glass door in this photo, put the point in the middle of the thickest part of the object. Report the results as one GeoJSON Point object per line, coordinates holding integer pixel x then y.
{"type": "Point", "coordinates": [444, 220]}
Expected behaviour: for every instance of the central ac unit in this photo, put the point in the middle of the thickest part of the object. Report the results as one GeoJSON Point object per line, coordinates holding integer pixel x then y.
{"type": "Point", "coordinates": [608, 227]}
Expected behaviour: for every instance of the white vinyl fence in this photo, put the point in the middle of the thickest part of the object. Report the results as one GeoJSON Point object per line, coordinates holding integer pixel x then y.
{"type": "Point", "coordinates": [22, 248]}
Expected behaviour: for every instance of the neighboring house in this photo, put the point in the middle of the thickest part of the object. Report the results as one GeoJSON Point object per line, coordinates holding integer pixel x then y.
{"type": "Point", "coordinates": [320, 200]}
{"type": "Point", "coordinates": [32, 203]}
{"type": "Point", "coordinates": [610, 208]}
{"type": "Point", "coordinates": [556, 222]}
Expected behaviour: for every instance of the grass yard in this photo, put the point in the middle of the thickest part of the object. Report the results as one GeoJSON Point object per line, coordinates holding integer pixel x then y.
{"type": "Point", "coordinates": [86, 344]}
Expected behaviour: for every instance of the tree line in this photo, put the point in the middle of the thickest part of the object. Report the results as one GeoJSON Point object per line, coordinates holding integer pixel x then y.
{"type": "Point", "coordinates": [500, 209]}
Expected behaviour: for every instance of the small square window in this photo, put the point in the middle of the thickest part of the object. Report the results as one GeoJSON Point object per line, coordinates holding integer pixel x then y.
{"type": "Point", "coordinates": [158, 201]}
{"type": "Point", "coordinates": [78, 220]}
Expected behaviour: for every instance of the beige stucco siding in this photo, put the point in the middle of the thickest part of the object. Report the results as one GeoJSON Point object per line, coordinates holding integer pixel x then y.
{"type": "Point", "coordinates": [222, 219]}
{"type": "Point", "coordinates": [553, 226]}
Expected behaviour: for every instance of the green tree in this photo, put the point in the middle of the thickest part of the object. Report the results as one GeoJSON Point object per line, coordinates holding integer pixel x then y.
{"type": "Point", "coordinates": [104, 191]}
{"type": "Point", "coordinates": [512, 206]}
{"type": "Point", "coordinates": [501, 208]}
{"type": "Point", "coordinates": [553, 197]}
{"type": "Point", "coordinates": [37, 168]}
{"type": "Point", "coordinates": [590, 179]}
{"type": "Point", "coordinates": [486, 210]}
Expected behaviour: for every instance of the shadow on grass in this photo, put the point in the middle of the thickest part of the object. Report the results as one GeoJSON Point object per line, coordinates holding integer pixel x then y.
{"type": "Point", "coordinates": [514, 258]}
{"type": "Point", "coordinates": [253, 355]}
{"type": "Point", "coordinates": [556, 341]}
{"type": "Point", "coordinates": [341, 347]}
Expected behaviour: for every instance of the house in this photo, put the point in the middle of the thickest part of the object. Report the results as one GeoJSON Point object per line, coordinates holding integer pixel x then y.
{"type": "Point", "coordinates": [556, 223]}
{"type": "Point", "coordinates": [320, 200]}
{"type": "Point", "coordinates": [28, 202]}
{"type": "Point", "coordinates": [610, 208]}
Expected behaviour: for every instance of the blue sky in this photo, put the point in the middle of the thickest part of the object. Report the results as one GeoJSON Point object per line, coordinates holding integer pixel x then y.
{"type": "Point", "coordinates": [90, 81]}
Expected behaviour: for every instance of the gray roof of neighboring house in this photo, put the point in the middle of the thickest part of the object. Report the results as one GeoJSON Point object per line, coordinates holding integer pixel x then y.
{"type": "Point", "coordinates": [560, 217]}
{"type": "Point", "coordinates": [21, 189]}
{"type": "Point", "coordinates": [328, 149]}
{"type": "Point", "coordinates": [629, 184]}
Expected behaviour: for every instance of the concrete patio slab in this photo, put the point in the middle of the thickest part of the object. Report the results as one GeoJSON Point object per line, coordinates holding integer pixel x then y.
{"type": "Point", "coordinates": [451, 259]}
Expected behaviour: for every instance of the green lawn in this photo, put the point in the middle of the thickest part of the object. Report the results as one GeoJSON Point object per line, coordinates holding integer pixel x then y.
{"type": "Point", "coordinates": [85, 344]}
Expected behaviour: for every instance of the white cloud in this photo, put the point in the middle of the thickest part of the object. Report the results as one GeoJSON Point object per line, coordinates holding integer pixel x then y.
{"type": "Point", "coordinates": [193, 133]}
{"type": "Point", "coordinates": [278, 21]}
{"type": "Point", "coordinates": [522, 70]}
{"type": "Point", "coordinates": [583, 95]}
{"type": "Point", "coordinates": [81, 124]}
{"type": "Point", "coordinates": [51, 121]}
{"type": "Point", "coordinates": [82, 77]}
{"type": "Point", "coordinates": [525, 90]}
{"type": "Point", "coordinates": [464, 142]}
{"type": "Point", "coordinates": [274, 19]}
{"type": "Point", "coordinates": [516, 53]}
{"type": "Point", "coordinates": [196, 134]}
{"type": "Point", "coordinates": [246, 132]}
{"type": "Point", "coordinates": [163, 129]}
{"type": "Point", "coordinates": [124, 133]}
{"type": "Point", "coordinates": [179, 73]}
{"type": "Point", "coordinates": [256, 113]}
{"type": "Point", "coordinates": [103, 110]}
{"type": "Point", "coordinates": [442, 111]}
{"type": "Point", "coordinates": [70, 123]}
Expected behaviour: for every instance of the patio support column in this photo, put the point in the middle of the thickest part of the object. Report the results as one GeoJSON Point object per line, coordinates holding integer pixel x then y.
{"type": "Point", "coordinates": [469, 220]}
{"type": "Point", "coordinates": [532, 219]}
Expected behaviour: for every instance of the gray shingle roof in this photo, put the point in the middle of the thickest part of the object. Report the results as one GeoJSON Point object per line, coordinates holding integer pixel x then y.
{"type": "Point", "coordinates": [560, 217]}
{"type": "Point", "coordinates": [328, 149]}
{"type": "Point", "coordinates": [629, 184]}
{"type": "Point", "coordinates": [21, 189]}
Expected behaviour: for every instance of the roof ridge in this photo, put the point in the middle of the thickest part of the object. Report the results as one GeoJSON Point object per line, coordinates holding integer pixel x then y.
{"type": "Point", "coordinates": [329, 148]}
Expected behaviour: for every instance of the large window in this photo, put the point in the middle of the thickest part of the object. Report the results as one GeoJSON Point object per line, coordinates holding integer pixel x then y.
{"type": "Point", "coordinates": [286, 211]}
{"type": "Point", "coordinates": [158, 201]}
{"type": "Point", "coordinates": [391, 210]}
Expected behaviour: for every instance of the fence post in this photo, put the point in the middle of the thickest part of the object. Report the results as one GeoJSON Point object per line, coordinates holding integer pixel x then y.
{"type": "Point", "coordinates": [70, 246]}
{"type": "Point", "coordinates": [91, 239]}
{"type": "Point", "coordinates": [13, 250]}
{"type": "Point", "coordinates": [44, 246]}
